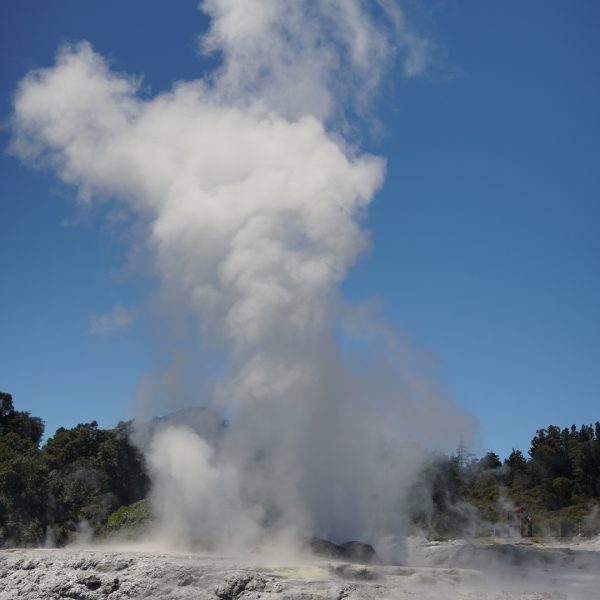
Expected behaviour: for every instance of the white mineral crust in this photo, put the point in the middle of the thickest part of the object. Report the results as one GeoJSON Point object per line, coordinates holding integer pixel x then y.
{"type": "Point", "coordinates": [435, 571]}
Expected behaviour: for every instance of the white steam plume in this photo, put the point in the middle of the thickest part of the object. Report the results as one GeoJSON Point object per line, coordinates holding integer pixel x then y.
{"type": "Point", "coordinates": [253, 207]}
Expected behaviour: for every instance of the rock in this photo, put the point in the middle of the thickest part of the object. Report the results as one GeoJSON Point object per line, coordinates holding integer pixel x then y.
{"type": "Point", "coordinates": [92, 583]}
{"type": "Point", "coordinates": [187, 580]}
{"type": "Point", "coordinates": [360, 552]}
{"type": "Point", "coordinates": [352, 551]}
{"type": "Point", "coordinates": [233, 587]}
{"type": "Point", "coordinates": [353, 572]}
{"type": "Point", "coordinates": [325, 548]}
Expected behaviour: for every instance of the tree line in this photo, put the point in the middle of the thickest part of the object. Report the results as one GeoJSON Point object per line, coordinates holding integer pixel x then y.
{"type": "Point", "coordinates": [98, 477]}
{"type": "Point", "coordinates": [555, 490]}
{"type": "Point", "coordinates": [80, 475]}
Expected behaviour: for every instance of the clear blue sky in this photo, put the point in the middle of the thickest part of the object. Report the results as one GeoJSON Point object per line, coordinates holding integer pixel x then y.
{"type": "Point", "coordinates": [486, 236]}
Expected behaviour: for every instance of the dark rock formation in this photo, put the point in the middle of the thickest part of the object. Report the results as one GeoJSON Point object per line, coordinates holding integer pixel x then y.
{"type": "Point", "coordinates": [360, 552]}
{"type": "Point", "coordinates": [354, 551]}
{"type": "Point", "coordinates": [92, 583]}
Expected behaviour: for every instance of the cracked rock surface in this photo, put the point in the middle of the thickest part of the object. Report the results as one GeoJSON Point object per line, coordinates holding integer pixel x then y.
{"type": "Point", "coordinates": [435, 572]}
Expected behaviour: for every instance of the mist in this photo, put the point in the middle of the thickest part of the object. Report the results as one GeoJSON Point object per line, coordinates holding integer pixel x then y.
{"type": "Point", "coordinates": [251, 192]}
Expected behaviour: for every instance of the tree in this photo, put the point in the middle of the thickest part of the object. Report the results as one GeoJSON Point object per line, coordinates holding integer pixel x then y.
{"type": "Point", "coordinates": [82, 473]}
{"type": "Point", "coordinates": [22, 478]}
{"type": "Point", "coordinates": [18, 422]}
{"type": "Point", "coordinates": [490, 461]}
{"type": "Point", "coordinates": [549, 453]}
{"type": "Point", "coordinates": [516, 464]}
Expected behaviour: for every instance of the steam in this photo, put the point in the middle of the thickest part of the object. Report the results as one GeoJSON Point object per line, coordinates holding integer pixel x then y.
{"type": "Point", "coordinates": [252, 206]}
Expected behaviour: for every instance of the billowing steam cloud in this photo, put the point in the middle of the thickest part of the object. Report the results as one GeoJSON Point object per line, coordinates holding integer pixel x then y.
{"type": "Point", "coordinates": [253, 205]}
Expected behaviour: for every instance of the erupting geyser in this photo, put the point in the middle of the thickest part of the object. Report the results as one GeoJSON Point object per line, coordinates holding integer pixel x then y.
{"type": "Point", "coordinates": [252, 202]}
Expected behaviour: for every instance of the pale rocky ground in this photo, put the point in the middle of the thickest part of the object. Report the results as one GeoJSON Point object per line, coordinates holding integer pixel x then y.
{"type": "Point", "coordinates": [458, 570]}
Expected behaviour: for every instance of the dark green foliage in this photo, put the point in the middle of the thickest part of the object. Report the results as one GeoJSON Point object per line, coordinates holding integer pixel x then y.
{"type": "Point", "coordinates": [91, 472]}
{"type": "Point", "coordinates": [22, 481]}
{"type": "Point", "coordinates": [556, 489]}
{"type": "Point", "coordinates": [21, 423]}
{"type": "Point", "coordinates": [490, 461]}
{"type": "Point", "coordinates": [80, 474]}
{"type": "Point", "coordinates": [22, 491]}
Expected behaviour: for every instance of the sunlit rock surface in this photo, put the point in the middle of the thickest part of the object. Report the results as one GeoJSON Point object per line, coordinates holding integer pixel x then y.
{"type": "Point", "coordinates": [434, 571]}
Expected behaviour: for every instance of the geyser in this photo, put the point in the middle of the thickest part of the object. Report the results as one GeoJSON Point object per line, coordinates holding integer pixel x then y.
{"type": "Point", "coordinates": [252, 205]}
